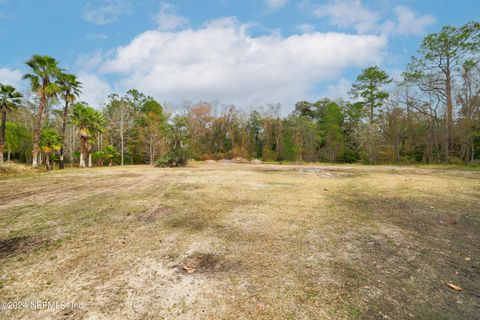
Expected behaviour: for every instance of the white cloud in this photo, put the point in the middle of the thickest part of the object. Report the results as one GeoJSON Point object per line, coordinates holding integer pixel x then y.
{"type": "Point", "coordinates": [306, 28]}
{"type": "Point", "coordinates": [349, 14]}
{"type": "Point", "coordinates": [353, 14]}
{"type": "Point", "coordinates": [95, 90]}
{"type": "Point", "coordinates": [408, 23]}
{"type": "Point", "coordinates": [166, 19]}
{"type": "Point", "coordinates": [275, 4]}
{"type": "Point", "coordinates": [90, 61]}
{"type": "Point", "coordinates": [10, 77]}
{"type": "Point", "coordinates": [339, 89]}
{"type": "Point", "coordinates": [107, 13]}
{"type": "Point", "coordinates": [222, 61]}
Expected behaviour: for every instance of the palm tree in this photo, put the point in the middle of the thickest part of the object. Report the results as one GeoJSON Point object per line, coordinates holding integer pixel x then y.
{"type": "Point", "coordinates": [89, 123]}
{"type": "Point", "coordinates": [50, 141]}
{"type": "Point", "coordinates": [44, 71]}
{"type": "Point", "coordinates": [10, 98]}
{"type": "Point", "coordinates": [71, 90]}
{"type": "Point", "coordinates": [110, 153]}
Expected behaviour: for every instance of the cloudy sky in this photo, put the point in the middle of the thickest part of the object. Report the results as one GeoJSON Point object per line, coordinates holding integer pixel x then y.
{"type": "Point", "coordinates": [248, 53]}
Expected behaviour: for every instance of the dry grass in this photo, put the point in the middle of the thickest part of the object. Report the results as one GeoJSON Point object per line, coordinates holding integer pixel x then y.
{"type": "Point", "coordinates": [266, 242]}
{"type": "Point", "coordinates": [9, 169]}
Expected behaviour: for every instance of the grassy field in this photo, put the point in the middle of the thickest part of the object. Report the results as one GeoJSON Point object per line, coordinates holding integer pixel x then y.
{"type": "Point", "coordinates": [260, 242]}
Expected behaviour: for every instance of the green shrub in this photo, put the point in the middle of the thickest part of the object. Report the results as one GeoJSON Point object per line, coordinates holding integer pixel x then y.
{"type": "Point", "coordinates": [474, 164]}
{"type": "Point", "coordinates": [456, 161]}
{"type": "Point", "coordinates": [179, 158]}
{"type": "Point", "coordinates": [348, 156]}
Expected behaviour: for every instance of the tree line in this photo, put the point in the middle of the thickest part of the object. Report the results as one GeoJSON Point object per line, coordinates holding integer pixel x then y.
{"type": "Point", "coordinates": [430, 115]}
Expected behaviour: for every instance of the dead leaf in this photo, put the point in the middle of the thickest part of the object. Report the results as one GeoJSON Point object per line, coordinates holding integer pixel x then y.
{"type": "Point", "coordinates": [454, 287]}
{"type": "Point", "coordinates": [468, 259]}
{"type": "Point", "coordinates": [188, 269]}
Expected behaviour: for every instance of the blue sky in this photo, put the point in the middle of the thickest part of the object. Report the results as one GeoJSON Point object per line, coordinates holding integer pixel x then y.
{"type": "Point", "coordinates": [248, 53]}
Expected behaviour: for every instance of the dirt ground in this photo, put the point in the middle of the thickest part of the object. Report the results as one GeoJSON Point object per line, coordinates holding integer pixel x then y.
{"type": "Point", "coordinates": [241, 241]}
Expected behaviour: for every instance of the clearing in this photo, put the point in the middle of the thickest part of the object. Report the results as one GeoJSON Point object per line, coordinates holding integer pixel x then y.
{"type": "Point", "coordinates": [242, 241]}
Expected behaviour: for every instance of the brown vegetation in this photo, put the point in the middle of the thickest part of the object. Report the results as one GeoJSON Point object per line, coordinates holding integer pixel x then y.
{"type": "Point", "coordinates": [261, 241]}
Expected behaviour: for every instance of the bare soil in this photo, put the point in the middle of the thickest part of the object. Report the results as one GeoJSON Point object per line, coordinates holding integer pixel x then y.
{"type": "Point", "coordinates": [242, 241]}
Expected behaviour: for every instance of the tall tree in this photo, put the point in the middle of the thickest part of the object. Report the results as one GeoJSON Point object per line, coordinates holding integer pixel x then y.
{"type": "Point", "coordinates": [89, 123]}
{"type": "Point", "coordinates": [440, 60]}
{"type": "Point", "coordinates": [9, 100]}
{"type": "Point", "coordinates": [44, 70]}
{"type": "Point", "coordinates": [70, 87]}
{"type": "Point", "coordinates": [256, 131]}
{"type": "Point", "coordinates": [18, 140]}
{"type": "Point", "coordinates": [469, 100]}
{"type": "Point", "coordinates": [369, 86]}
{"type": "Point", "coordinates": [50, 141]}
{"type": "Point", "coordinates": [331, 132]}
{"type": "Point", "coordinates": [152, 124]}
{"type": "Point", "coordinates": [120, 113]}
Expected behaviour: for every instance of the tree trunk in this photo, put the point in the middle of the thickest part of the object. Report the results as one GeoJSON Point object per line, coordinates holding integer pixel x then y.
{"type": "Point", "coordinates": [37, 130]}
{"type": "Point", "coordinates": [411, 130]}
{"type": "Point", "coordinates": [2, 133]}
{"type": "Point", "coordinates": [62, 134]}
{"type": "Point", "coordinates": [72, 146]}
{"type": "Point", "coordinates": [449, 117]}
{"type": "Point", "coordinates": [150, 148]}
{"type": "Point", "coordinates": [47, 161]}
{"type": "Point", "coordinates": [89, 159]}
{"type": "Point", "coordinates": [121, 134]}
{"type": "Point", "coordinates": [82, 152]}
{"type": "Point", "coordinates": [82, 160]}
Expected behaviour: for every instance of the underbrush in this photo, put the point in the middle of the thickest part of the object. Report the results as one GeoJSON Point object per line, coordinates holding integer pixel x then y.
{"type": "Point", "coordinates": [8, 169]}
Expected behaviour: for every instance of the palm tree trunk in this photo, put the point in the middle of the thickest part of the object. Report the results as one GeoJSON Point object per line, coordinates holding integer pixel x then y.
{"type": "Point", "coordinates": [82, 160]}
{"type": "Point", "coordinates": [89, 159]}
{"type": "Point", "coordinates": [62, 134]}
{"type": "Point", "coordinates": [47, 161]}
{"type": "Point", "coordinates": [82, 152]}
{"type": "Point", "coordinates": [72, 146]}
{"type": "Point", "coordinates": [37, 130]}
{"type": "Point", "coordinates": [2, 133]}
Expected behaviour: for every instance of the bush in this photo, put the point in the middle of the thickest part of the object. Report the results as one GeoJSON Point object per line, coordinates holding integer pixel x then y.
{"type": "Point", "coordinates": [218, 156]}
{"type": "Point", "coordinates": [456, 161]}
{"type": "Point", "coordinates": [348, 156]}
{"type": "Point", "coordinates": [206, 156]}
{"type": "Point", "coordinates": [173, 159]}
{"type": "Point", "coordinates": [474, 164]}
{"type": "Point", "coordinates": [386, 154]}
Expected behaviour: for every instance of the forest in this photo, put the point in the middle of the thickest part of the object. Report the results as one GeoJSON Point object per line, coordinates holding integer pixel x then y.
{"type": "Point", "coordinates": [430, 115]}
